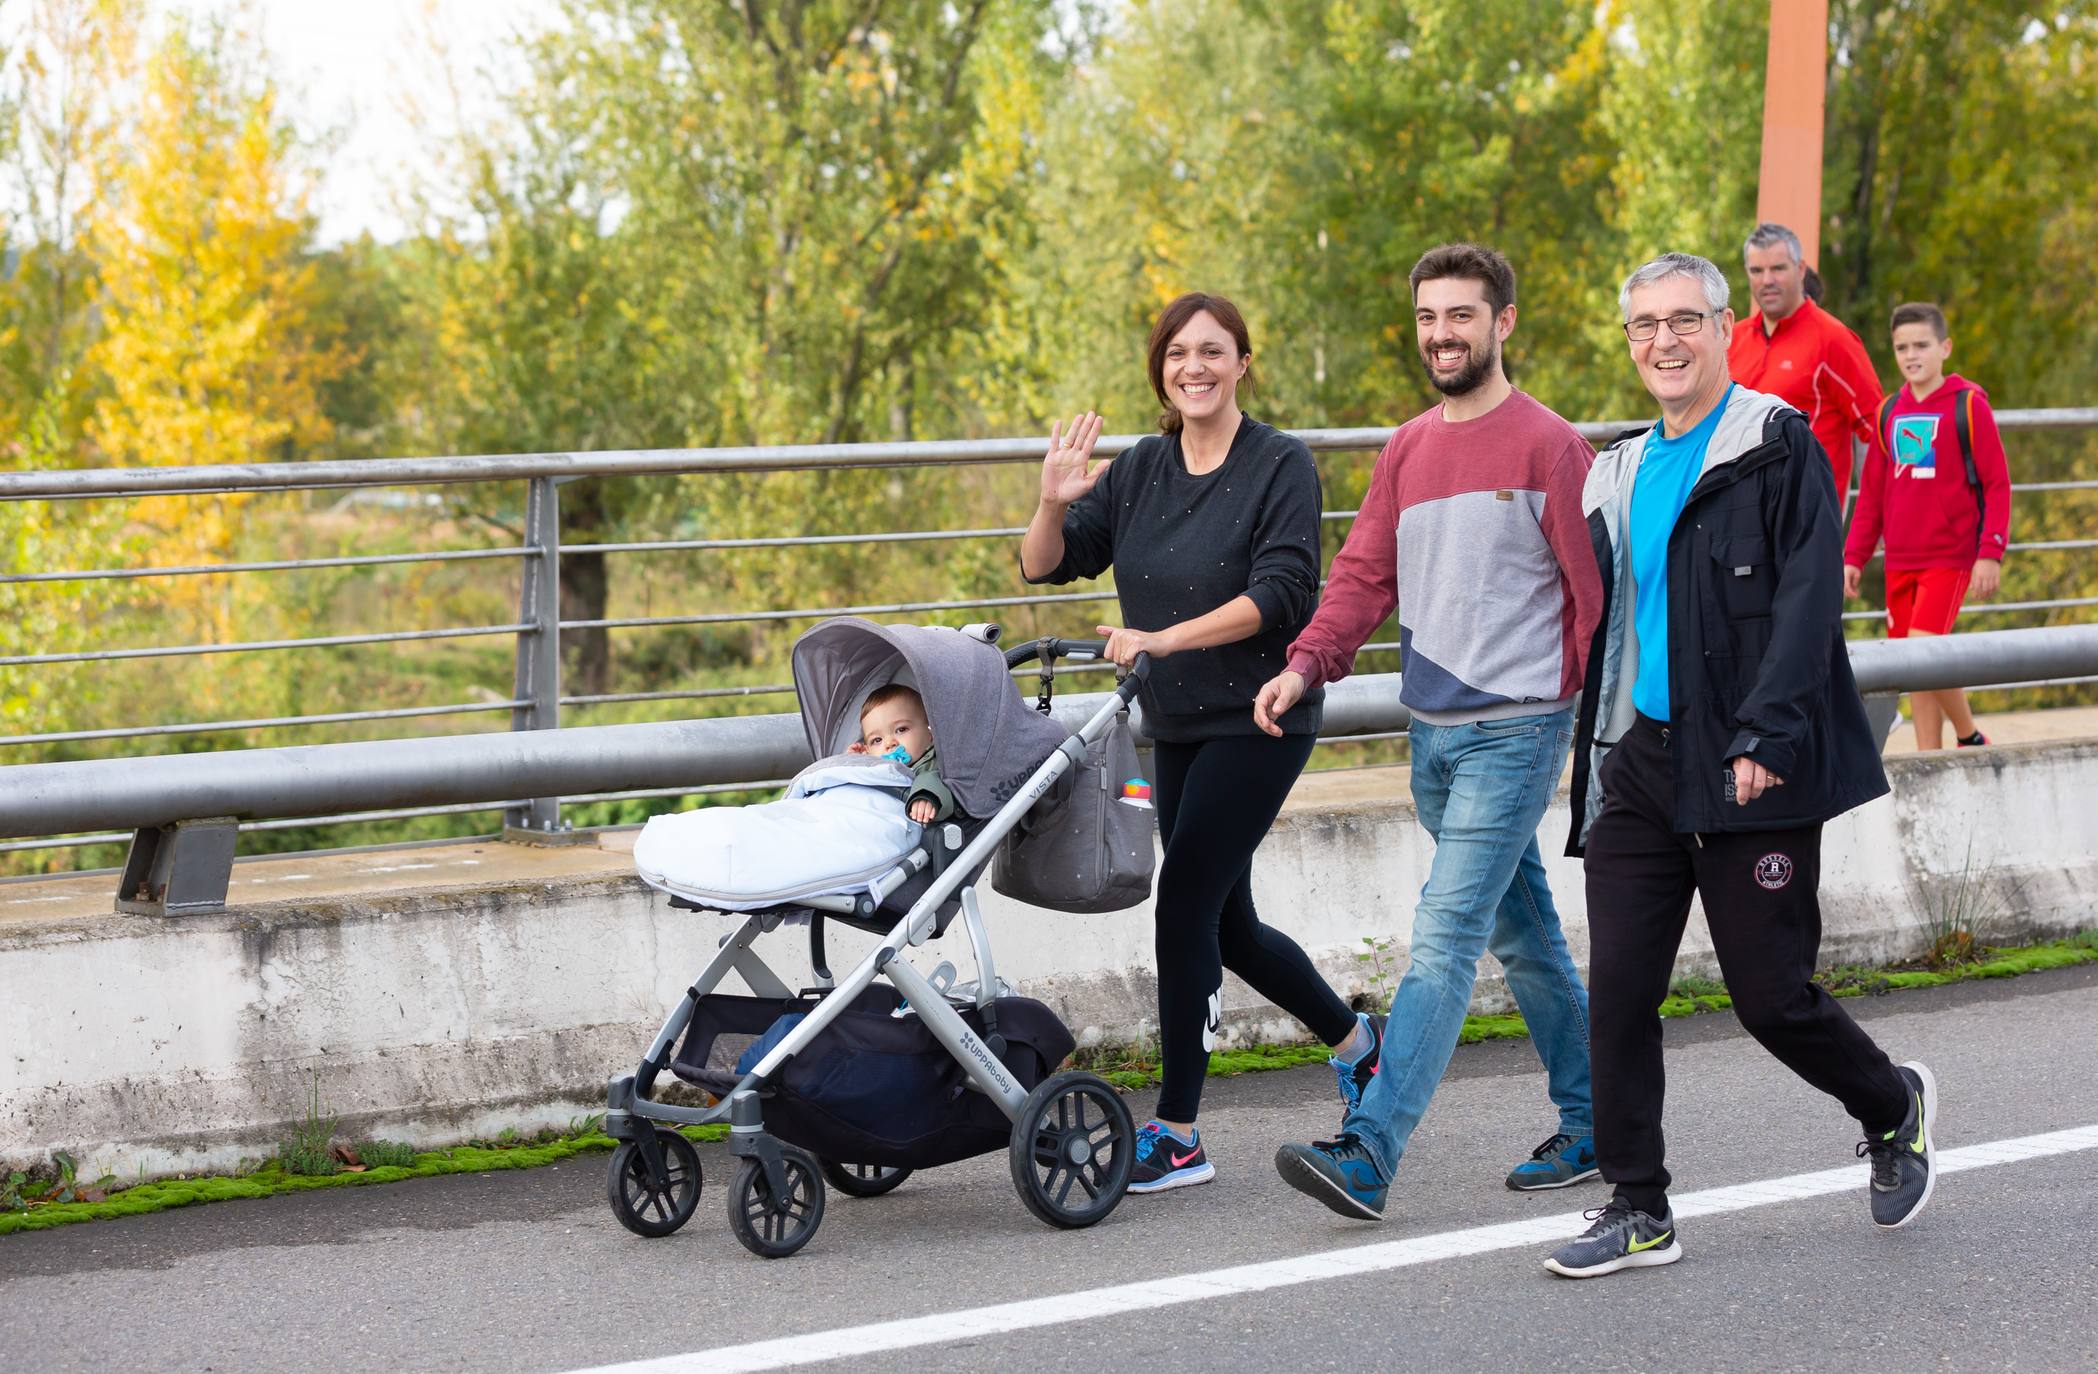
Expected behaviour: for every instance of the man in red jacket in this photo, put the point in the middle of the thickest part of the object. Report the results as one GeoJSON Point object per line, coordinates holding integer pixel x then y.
{"type": "Point", "coordinates": [1939, 489]}
{"type": "Point", "coordinates": [1798, 352]}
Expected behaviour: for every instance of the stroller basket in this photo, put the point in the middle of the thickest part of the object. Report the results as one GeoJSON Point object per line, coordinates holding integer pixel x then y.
{"type": "Point", "coordinates": [873, 1088]}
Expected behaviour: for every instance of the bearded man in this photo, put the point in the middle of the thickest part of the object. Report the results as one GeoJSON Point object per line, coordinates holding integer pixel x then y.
{"type": "Point", "coordinates": [1472, 529]}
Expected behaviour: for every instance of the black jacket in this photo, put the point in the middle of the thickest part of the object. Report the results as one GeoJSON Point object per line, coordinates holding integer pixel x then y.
{"type": "Point", "coordinates": [1756, 659]}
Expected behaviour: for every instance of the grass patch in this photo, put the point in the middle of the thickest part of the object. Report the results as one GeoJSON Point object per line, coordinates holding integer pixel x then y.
{"type": "Point", "coordinates": [272, 1178]}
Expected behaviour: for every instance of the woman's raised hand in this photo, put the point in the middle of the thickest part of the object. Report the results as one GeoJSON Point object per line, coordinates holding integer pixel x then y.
{"type": "Point", "coordinates": [1064, 468]}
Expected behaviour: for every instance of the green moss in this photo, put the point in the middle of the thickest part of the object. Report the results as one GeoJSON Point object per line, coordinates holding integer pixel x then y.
{"type": "Point", "coordinates": [271, 1179]}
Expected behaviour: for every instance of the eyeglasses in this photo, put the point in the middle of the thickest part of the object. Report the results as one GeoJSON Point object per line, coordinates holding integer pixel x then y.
{"type": "Point", "coordinates": [1679, 324]}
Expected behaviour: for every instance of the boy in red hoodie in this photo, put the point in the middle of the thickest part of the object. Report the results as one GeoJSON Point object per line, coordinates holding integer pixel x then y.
{"type": "Point", "coordinates": [1938, 487]}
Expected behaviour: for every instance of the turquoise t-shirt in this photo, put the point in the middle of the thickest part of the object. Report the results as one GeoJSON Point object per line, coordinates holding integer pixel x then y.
{"type": "Point", "coordinates": [1666, 474]}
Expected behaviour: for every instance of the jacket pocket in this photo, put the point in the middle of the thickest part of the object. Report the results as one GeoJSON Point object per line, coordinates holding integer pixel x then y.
{"type": "Point", "coordinates": [1745, 581]}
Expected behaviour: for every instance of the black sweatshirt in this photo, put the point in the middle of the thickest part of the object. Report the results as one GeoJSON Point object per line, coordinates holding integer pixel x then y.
{"type": "Point", "coordinates": [1182, 545]}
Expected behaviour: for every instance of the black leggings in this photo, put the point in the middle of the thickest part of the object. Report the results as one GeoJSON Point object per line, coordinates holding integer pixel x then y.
{"type": "Point", "coordinates": [1216, 799]}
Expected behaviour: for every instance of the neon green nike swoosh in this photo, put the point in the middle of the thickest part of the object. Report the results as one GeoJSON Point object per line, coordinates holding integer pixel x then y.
{"type": "Point", "coordinates": [1638, 1245]}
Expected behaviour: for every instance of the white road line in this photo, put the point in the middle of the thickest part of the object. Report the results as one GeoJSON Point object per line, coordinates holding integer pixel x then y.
{"type": "Point", "coordinates": [1094, 1303]}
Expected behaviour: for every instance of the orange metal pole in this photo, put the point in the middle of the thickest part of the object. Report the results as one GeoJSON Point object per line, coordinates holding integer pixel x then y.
{"type": "Point", "coordinates": [1795, 85]}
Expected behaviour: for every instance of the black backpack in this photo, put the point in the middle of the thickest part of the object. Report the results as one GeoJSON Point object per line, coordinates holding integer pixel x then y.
{"type": "Point", "coordinates": [1963, 430]}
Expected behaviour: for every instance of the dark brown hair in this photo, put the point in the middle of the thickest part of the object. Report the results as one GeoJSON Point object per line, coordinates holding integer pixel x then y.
{"type": "Point", "coordinates": [1171, 321]}
{"type": "Point", "coordinates": [1469, 262]}
{"type": "Point", "coordinates": [882, 696]}
{"type": "Point", "coordinates": [1920, 312]}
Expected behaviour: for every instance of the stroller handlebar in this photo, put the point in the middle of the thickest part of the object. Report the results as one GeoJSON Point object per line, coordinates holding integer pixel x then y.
{"type": "Point", "coordinates": [1050, 649]}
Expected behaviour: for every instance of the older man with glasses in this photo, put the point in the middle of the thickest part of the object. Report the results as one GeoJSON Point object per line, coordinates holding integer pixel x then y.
{"type": "Point", "coordinates": [1719, 729]}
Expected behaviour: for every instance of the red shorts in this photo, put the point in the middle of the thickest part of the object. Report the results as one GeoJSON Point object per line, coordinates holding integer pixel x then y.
{"type": "Point", "coordinates": [1925, 599]}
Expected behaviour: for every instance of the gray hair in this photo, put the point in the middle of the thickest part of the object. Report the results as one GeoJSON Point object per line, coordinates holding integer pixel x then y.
{"type": "Point", "coordinates": [1699, 270]}
{"type": "Point", "coordinates": [1768, 235]}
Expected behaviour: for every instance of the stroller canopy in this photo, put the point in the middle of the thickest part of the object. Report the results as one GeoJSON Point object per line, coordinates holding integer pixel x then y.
{"type": "Point", "coordinates": [988, 736]}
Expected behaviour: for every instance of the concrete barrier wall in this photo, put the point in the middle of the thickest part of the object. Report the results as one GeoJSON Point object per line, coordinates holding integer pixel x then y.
{"type": "Point", "coordinates": [157, 1046]}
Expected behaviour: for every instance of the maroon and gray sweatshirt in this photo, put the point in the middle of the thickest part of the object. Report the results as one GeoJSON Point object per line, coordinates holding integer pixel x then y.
{"type": "Point", "coordinates": [1474, 533]}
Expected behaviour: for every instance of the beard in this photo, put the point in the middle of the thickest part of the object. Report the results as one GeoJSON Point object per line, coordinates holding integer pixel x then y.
{"type": "Point", "coordinates": [1477, 368]}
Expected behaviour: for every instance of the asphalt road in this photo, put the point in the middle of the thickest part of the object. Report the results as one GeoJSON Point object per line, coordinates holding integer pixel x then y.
{"type": "Point", "coordinates": [527, 1272]}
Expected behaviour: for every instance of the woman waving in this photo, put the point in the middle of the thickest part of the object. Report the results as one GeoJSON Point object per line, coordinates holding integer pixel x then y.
{"type": "Point", "coordinates": [1212, 528]}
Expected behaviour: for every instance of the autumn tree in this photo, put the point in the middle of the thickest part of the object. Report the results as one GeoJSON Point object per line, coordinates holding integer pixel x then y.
{"type": "Point", "coordinates": [207, 350]}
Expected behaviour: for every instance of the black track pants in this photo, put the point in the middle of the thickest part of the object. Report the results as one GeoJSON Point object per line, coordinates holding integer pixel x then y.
{"type": "Point", "coordinates": [1760, 892]}
{"type": "Point", "coordinates": [1216, 800]}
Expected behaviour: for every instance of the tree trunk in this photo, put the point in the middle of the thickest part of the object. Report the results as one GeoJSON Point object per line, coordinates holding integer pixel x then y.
{"type": "Point", "coordinates": [586, 586]}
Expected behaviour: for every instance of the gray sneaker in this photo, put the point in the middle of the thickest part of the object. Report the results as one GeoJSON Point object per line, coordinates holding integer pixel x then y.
{"type": "Point", "coordinates": [1622, 1237]}
{"type": "Point", "coordinates": [1904, 1161]}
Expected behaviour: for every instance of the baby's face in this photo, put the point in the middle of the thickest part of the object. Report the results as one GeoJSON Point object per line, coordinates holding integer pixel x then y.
{"type": "Point", "coordinates": [901, 721]}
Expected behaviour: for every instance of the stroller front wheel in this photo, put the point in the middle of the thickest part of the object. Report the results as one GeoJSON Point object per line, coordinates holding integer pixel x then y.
{"type": "Point", "coordinates": [771, 1227]}
{"type": "Point", "coordinates": [648, 1206]}
{"type": "Point", "coordinates": [862, 1180]}
{"type": "Point", "coordinates": [1073, 1146]}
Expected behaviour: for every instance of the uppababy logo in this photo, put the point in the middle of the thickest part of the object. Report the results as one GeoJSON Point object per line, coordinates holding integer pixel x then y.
{"type": "Point", "coordinates": [1773, 871]}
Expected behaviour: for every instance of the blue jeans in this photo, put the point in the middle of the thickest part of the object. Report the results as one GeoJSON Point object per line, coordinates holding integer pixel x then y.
{"type": "Point", "coordinates": [1481, 790]}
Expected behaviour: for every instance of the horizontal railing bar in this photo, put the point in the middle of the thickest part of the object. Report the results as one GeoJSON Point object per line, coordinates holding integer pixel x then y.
{"type": "Point", "coordinates": [1991, 608]}
{"type": "Point", "coordinates": [407, 813]}
{"type": "Point", "coordinates": [774, 688]}
{"type": "Point", "coordinates": [280, 565]}
{"type": "Point", "coordinates": [791, 541]}
{"type": "Point", "coordinates": [71, 483]}
{"type": "Point", "coordinates": [1363, 739]}
{"type": "Point", "coordinates": [265, 723]}
{"type": "Point", "coordinates": [323, 642]}
{"type": "Point", "coordinates": [895, 608]}
{"type": "Point", "coordinates": [90, 795]}
{"type": "Point", "coordinates": [695, 694]}
{"type": "Point", "coordinates": [75, 842]}
{"type": "Point", "coordinates": [2037, 682]}
{"type": "Point", "coordinates": [644, 793]}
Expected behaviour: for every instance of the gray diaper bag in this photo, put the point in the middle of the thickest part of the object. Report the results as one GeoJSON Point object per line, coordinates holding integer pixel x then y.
{"type": "Point", "coordinates": [1090, 844]}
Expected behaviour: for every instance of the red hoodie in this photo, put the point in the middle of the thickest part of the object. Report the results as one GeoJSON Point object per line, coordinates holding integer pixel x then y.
{"type": "Point", "coordinates": [1920, 498]}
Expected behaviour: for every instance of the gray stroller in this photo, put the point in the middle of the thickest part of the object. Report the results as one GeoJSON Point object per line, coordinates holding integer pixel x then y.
{"type": "Point", "coordinates": [863, 1078]}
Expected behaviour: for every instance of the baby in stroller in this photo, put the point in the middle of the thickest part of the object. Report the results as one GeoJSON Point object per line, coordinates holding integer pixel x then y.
{"type": "Point", "coordinates": [843, 824]}
{"type": "Point", "coordinates": [893, 725]}
{"type": "Point", "coordinates": [849, 1092]}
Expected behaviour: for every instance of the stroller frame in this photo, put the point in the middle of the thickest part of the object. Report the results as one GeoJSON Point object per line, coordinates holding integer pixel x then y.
{"type": "Point", "coordinates": [634, 1118]}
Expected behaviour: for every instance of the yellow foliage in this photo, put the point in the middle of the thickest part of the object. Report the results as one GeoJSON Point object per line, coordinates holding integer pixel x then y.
{"type": "Point", "coordinates": [207, 349]}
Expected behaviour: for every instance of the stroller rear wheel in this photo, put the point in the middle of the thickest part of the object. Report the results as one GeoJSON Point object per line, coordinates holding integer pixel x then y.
{"type": "Point", "coordinates": [862, 1180]}
{"type": "Point", "coordinates": [641, 1204]}
{"type": "Point", "coordinates": [775, 1227]}
{"type": "Point", "coordinates": [1072, 1149]}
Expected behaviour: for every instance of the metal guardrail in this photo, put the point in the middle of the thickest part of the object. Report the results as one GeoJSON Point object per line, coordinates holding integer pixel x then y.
{"type": "Point", "coordinates": [178, 804]}
{"type": "Point", "coordinates": [536, 700]}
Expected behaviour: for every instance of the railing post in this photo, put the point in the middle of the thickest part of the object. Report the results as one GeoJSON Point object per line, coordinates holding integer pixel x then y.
{"type": "Point", "coordinates": [539, 652]}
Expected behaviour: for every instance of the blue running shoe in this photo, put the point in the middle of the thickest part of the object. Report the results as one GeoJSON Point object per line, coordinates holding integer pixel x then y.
{"type": "Point", "coordinates": [1339, 1173]}
{"type": "Point", "coordinates": [1355, 1074]}
{"type": "Point", "coordinates": [1164, 1160]}
{"type": "Point", "coordinates": [1559, 1162]}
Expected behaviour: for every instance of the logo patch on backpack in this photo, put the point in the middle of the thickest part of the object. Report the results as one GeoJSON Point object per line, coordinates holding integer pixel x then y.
{"type": "Point", "coordinates": [1773, 871]}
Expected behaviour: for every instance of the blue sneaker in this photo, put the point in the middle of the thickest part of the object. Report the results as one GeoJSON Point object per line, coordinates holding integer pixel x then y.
{"type": "Point", "coordinates": [1164, 1160]}
{"type": "Point", "coordinates": [1355, 1074]}
{"type": "Point", "coordinates": [1559, 1162]}
{"type": "Point", "coordinates": [1339, 1173]}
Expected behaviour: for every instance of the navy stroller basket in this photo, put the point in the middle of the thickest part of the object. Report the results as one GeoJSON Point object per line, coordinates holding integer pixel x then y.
{"type": "Point", "coordinates": [873, 1088]}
